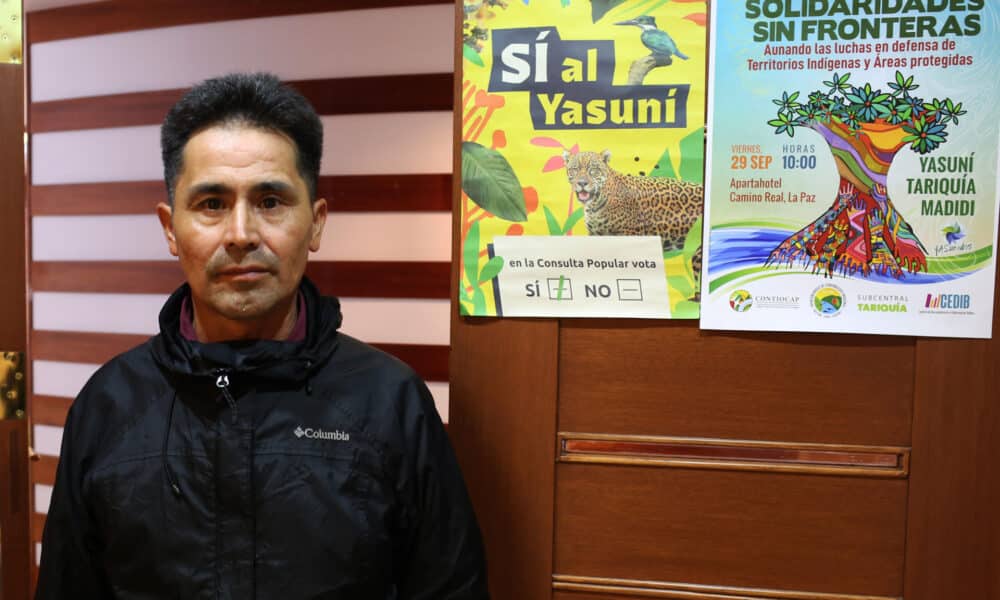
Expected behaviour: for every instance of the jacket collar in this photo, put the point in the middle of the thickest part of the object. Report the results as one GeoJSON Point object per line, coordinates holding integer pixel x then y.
{"type": "Point", "coordinates": [269, 359]}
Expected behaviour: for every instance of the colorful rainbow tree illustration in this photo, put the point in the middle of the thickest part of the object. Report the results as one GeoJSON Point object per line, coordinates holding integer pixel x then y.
{"type": "Point", "coordinates": [862, 232]}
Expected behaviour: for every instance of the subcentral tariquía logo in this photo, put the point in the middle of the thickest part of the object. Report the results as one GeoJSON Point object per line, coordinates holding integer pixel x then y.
{"type": "Point", "coordinates": [740, 301]}
{"type": "Point", "coordinates": [828, 300]}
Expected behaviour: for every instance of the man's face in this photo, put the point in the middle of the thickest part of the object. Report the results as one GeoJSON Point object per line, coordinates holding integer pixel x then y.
{"type": "Point", "coordinates": [241, 224]}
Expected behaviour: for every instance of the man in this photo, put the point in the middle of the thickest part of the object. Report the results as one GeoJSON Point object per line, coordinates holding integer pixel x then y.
{"type": "Point", "coordinates": [249, 450]}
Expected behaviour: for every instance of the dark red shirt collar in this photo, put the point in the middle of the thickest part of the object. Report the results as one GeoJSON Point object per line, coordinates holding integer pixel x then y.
{"type": "Point", "coordinates": [297, 334]}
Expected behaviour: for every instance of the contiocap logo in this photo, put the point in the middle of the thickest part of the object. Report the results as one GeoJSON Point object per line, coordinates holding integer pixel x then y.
{"type": "Point", "coordinates": [828, 300]}
{"type": "Point", "coordinates": [740, 301]}
{"type": "Point", "coordinates": [319, 434]}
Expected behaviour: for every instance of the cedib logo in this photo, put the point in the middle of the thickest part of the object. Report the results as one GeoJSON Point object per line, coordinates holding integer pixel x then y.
{"type": "Point", "coordinates": [319, 434]}
{"type": "Point", "coordinates": [828, 300]}
{"type": "Point", "coordinates": [740, 301]}
{"type": "Point", "coordinates": [948, 301]}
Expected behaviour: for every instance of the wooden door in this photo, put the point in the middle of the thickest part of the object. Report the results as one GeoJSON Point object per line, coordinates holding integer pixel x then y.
{"type": "Point", "coordinates": [613, 459]}
{"type": "Point", "coordinates": [15, 557]}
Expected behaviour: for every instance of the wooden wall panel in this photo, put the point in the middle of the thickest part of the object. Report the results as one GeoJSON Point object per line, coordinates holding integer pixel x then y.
{"type": "Point", "coordinates": [501, 418]}
{"type": "Point", "coordinates": [754, 530]}
{"type": "Point", "coordinates": [669, 378]}
{"type": "Point", "coordinates": [953, 537]}
{"type": "Point", "coordinates": [15, 555]}
{"type": "Point", "coordinates": [13, 315]}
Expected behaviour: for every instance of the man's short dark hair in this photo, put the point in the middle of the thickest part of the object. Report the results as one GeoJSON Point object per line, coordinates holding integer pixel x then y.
{"type": "Point", "coordinates": [252, 99]}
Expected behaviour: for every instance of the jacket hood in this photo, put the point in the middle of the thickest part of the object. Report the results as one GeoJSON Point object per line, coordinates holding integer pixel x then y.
{"type": "Point", "coordinates": [267, 359]}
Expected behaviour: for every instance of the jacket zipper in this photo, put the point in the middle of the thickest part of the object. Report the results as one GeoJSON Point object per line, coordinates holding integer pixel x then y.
{"type": "Point", "coordinates": [222, 382]}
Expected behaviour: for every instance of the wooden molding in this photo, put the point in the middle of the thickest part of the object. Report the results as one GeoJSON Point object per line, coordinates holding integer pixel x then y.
{"type": "Point", "coordinates": [43, 470]}
{"type": "Point", "coordinates": [358, 279]}
{"type": "Point", "coordinates": [109, 277]}
{"type": "Point", "coordinates": [114, 16]}
{"type": "Point", "coordinates": [49, 410]}
{"type": "Point", "coordinates": [739, 455]}
{"type": "Point", "coordinates": [37, 527]}
{"type": "Point", "coordinates": [354, 95]}
{"type": "Point", "coordinates": [344, 193]}
{"type": "Point", "coordinates": [689, 591]}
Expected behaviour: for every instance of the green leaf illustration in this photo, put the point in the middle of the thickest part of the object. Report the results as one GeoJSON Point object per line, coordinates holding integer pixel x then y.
{"type": "Point", "coordinates": [470, 54]}
{"type": "Point", "coordinates": [489, 180]}
{"type": "Point", "coordinates": [686, 309]}
{"type": "Point", "coordinates": [550, 219]}
{"type": "Point", "coordinates": [693, 238]}
{"type": "Point", "coordinates": [491, 269]}
{"type": "Point", "coordinates": [681, 284]}
{"type": "Point", "coordinates": [470, 255]}
{"type": "Point", "coordinates": [693, 156]}
{"type": "Point", "coordinates": [664, 167]}
{"type": "Point", "coordinates": [599, 8]}
{"type": "Point", "coordinates": [479, 303]}
{"type": "Point", "coordinates": [573, 220]}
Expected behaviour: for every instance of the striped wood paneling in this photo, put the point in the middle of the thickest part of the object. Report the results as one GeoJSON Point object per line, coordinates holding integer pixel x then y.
{"type": "Point", "coordinates": [344, 193]}
{"type": "Point", "coordinates": [37, 523]}
{"type": "Point", "coordinates": [429, 361]}
{"type": "Point", "coordinates": [354, 95]}
{"type": "Point", "coordinates": [49, 410]}
{"type": "Point", "coordinates": [114, 16]}
{"type": "Point", "coordinates": [45, 469]}
{"type": "Point", "coordinates": [371, 188]}
{"type": "Point", "coordinates": [356, 279]}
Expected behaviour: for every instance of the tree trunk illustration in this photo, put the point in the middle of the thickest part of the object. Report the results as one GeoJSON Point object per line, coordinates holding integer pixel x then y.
{"type": "Point", "coordinates": [862, 232]}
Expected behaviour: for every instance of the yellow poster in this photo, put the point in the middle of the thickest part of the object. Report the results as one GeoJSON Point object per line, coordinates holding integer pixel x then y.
{"type": "Point", "coordinates": [582, 157]}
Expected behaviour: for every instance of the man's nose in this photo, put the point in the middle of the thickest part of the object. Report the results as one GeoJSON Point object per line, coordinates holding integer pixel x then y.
{"type": "Point", "coordinates": [241, 227]}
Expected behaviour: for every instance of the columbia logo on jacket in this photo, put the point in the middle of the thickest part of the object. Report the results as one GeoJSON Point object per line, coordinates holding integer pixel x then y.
{"type": "Point", "coordinates": [319, 434]}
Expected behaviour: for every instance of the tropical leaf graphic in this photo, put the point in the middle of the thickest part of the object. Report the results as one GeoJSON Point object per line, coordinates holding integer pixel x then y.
{"type": "Point", "coordinates": [490, 182]}
{"type": "Point", "coordinates": [599, 8]}
{"type": "Point", "coordinates": [491, 269]}
{"type": "Point", "coordinates": [472, 56]}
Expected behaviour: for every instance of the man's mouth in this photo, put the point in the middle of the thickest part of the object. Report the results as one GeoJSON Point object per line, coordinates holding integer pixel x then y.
{"type": "Point", "coordinates": [249, 273]}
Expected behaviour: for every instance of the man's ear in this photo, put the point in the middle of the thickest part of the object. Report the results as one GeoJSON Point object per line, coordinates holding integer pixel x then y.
{"type": "Point", "coordinates": [319, 209]}
{"type": "Point", "coordinates": [166, 216]}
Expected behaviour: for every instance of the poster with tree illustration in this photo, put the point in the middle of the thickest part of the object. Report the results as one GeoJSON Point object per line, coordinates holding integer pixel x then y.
{"type": "Point", "coordinates": [582, 127]}
{"type": "Point", "coordinates": [852, 168]}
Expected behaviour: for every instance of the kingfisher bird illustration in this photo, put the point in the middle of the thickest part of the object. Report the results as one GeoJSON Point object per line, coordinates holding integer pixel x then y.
{"type": "Point", "coordinates": [658, 41]}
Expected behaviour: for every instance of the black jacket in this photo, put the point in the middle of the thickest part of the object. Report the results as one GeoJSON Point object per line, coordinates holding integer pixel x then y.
{"type": "Point", "coordinates": [292, 470]}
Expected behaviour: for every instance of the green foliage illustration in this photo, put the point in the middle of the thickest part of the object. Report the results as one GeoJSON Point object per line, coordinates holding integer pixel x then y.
{"type": "Point", "coordinates": [692, 167]}
{"type": "Point", "coordinates": [925, 123]}
{"type": "Point", "coordinates": [599, 8]}
{"type": "Point", "coordinates": [685, 284]}
{"type": "Point", "coordinates": [490, 182]}
{"type": "Point", "coordinates": [553, 222]}
{"type": "Point", "coordinates": [472, 298]}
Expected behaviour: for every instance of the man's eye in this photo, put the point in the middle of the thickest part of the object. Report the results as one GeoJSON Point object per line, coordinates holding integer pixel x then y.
{"type": "Point", "coordinates": [211, 204]}
{"type": "Point", "coordinates": [270, 202]}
